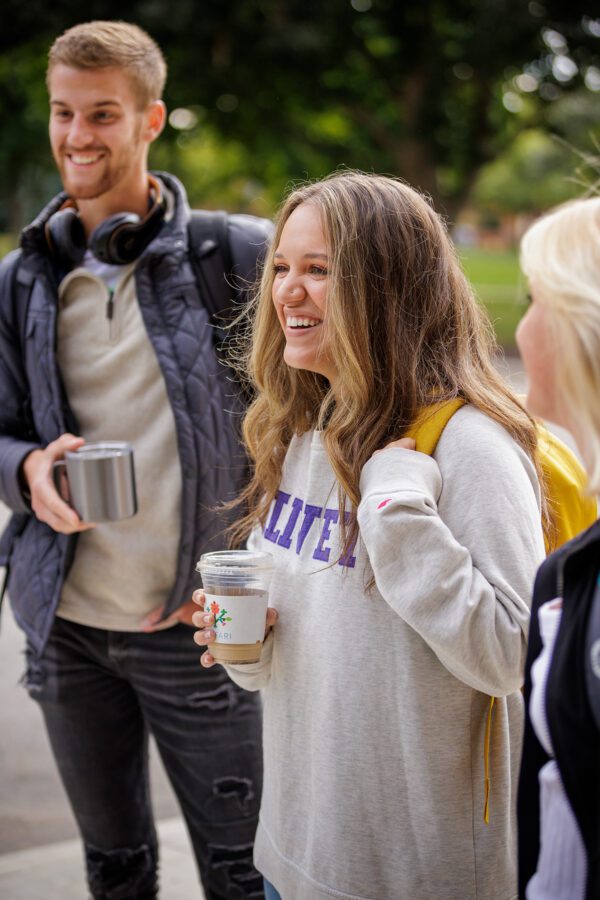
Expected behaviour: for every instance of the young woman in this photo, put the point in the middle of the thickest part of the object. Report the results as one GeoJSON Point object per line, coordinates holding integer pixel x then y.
{"type": "Point", "coordinates": [402, 581]}
{"type": "Point", "coordinates": [559, 792]}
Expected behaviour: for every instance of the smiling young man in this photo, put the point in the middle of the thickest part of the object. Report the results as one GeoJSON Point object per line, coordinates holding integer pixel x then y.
{"type": "Point", "coordinates": [105, 335]}
{"type": "Point", "coordinates": [100, 131]}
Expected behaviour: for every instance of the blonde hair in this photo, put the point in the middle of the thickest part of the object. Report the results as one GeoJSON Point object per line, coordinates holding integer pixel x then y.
{"type": "Point", "coordinates": [119, 45]}
{"type": "Point", "coordinates": [560, 255]}
{"type": "Point", "coordinates": [404, 329]}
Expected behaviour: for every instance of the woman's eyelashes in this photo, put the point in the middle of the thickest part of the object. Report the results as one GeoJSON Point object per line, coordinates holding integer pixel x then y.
{"type": "Point", "coordinates": [319, 271]}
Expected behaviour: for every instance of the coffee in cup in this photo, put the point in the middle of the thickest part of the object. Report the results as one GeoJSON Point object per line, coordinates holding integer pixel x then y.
{"type": "Point", "coordinates": [236, 588]}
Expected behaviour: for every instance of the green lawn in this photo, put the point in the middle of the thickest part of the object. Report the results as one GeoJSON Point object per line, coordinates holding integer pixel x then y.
{"type": "Point", "coordinates": [498, 283]}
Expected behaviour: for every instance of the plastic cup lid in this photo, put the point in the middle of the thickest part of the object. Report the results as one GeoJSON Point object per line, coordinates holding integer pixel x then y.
{"type": "Point", "coordinates": [231, 562]}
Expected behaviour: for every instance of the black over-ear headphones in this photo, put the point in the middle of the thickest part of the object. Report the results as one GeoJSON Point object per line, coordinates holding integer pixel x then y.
{"type": "Point", "coordinates": [118, 240]}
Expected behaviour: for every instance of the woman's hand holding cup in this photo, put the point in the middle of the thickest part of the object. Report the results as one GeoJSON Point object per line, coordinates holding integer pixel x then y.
{"type": "Point", "coordinates": [205, 620]}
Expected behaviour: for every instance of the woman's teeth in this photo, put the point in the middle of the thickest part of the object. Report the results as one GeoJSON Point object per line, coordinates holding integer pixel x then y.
{"type": "Point", "coordinates": [295, 322]}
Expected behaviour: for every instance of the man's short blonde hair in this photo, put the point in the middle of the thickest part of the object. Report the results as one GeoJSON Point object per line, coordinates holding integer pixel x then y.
{"type": "Point", "coordinates": [118, 45]}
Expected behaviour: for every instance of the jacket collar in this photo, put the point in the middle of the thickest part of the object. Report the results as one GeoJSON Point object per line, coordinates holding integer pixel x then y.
{"type": "Point", "coordinates": [582, 541]}
{"type": "Point", "coordinates": [572, 549]}
{"type": "Point", "coordinates": [33, 238]}
{"type": "Point", "coordinates": [172, 237]}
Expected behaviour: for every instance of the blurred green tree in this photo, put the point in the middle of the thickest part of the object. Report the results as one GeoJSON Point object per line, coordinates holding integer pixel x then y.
{"type": "Point", "coordinates": [543, 167]}
{"type": "Point", "coordinates": [268, 91]}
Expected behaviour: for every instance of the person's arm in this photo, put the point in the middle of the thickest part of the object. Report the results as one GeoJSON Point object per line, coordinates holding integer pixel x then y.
{"type": "Point", "coordinates": [17, 437]}
{"type": "Point", "coordinates": [26, 483]}
{"type": "Point", "coordinates": [454, 547]}
{"type": "Point", "coordinates": [254, 676]}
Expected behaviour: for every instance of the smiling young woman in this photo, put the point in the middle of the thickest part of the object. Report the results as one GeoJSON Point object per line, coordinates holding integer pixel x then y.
{"type": "Point", "coordinates": [299, 291]}
{"type": "Point", "coordinates": [401, 580]}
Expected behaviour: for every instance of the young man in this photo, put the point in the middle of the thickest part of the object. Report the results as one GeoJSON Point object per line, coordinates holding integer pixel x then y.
{"type": "Point", "coordinates": [104, 335]}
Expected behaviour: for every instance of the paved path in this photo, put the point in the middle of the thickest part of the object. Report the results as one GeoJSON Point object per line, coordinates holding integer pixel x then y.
{"type": "Point", "coordinates": [55, 871]}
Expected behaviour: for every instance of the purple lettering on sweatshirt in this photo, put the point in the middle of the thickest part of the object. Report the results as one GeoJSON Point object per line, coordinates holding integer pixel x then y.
{"type": "Point", "coordinates": [347, 559]}
{"type": "Point", "coordinates": [321, 552]}
{"type": "Point", "coordinates": [286, 536]}
{"type": "Point", "coordinates": [310, 514]}
{"type": "Point", "coordinates": [280, 501]}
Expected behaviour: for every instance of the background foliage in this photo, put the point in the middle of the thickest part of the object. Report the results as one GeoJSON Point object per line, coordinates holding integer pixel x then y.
{"type": "Point", "coordinates": [491, 106]}
{"type": "Point", "coordinates": [460, 98]}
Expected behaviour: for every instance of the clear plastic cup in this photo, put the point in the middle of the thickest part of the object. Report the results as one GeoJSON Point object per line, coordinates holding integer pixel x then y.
{"type": "Point", "coordinates": [236, 585]}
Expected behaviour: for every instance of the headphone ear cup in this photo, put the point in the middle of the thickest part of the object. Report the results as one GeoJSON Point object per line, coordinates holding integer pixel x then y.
{"type": "Point", "coordinates": [65, 235]}
{"type": "Point", "coordinates": [121, 238]}
{"type": "Point", "coordinates": [117, 240]}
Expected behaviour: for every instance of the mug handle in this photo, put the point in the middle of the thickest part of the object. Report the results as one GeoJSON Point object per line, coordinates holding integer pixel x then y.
{"type": "Point", "coordinates": [59, 477]}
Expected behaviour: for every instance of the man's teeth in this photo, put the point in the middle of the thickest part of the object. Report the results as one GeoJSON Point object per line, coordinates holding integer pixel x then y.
{"type": "Point", "coordinates": [295, 322]}
{"type": "Point", "coordinates": [84, 160]}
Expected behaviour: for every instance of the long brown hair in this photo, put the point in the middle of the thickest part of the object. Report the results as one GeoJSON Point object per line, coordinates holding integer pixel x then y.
{"type": "Point", "coordinates": [404, 329]}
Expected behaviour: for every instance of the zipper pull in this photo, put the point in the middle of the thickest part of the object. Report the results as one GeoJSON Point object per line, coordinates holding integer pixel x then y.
{"type": "Point", "coordinates": [110, 311]}
{"type": "Point", "coordinates": [110, 306]}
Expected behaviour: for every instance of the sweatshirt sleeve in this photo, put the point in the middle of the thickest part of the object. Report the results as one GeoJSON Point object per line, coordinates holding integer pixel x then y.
{"type": "Point", "coordinates": [254, 676]}
{"type": "Point", "coordinates": [454, 543]}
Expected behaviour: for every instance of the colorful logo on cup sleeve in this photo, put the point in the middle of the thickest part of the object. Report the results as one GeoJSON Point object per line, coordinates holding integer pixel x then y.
{"type": "Point", "coordinates": [221, 615]}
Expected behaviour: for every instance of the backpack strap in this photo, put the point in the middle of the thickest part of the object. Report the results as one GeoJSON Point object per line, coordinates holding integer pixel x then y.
{"type": "Point", "coordinates": [566, 480]}
{"type": "Point", "coordinates": [17, 280]}
{"type": "Point", "coordinates": [426, 431]}
{"type": "Point", "coordinates": [427, 428]}
{"type": "Point", "coordinates": [574, 510]}
{"type": "Point", "coordinates": [212, 262]}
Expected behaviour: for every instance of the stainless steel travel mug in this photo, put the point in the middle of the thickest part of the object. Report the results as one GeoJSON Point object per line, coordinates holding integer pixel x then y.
{"type": "Point", "coordinates": [101, 481]}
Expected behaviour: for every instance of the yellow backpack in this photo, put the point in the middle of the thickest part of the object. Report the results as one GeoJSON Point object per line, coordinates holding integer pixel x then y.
{"type": "Point", "coordinates": [573, 512]}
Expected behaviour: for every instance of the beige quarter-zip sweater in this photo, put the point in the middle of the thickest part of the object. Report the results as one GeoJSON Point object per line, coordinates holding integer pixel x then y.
{"type": "Point", "coordinates": [115, 386]}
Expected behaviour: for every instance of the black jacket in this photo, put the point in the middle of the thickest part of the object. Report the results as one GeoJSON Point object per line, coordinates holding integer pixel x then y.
{"type": "Point", "coordinates": [34, 410]}
{"type": "Point", "coordinates": [571, 573]}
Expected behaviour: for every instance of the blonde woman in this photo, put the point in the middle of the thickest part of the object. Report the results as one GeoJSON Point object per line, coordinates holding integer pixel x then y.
{"type": "Point", "coordinates": [402, 581]}
{"type": "Point", "coordinates": [559, 793]}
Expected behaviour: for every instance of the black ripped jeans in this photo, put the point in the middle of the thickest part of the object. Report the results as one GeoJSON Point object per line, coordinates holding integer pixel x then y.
{"type": "Point", "coordinates": [101, 693]}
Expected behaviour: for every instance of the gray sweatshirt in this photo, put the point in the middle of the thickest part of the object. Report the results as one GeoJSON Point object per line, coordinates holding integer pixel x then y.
{"type": "Point", "coordinates": [375, 703]}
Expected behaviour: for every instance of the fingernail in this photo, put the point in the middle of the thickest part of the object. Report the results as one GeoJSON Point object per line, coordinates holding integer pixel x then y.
{"type": "Point", "coordinates": [208, 635]}
{"type": "Point", "coordinates": [206, 618]}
